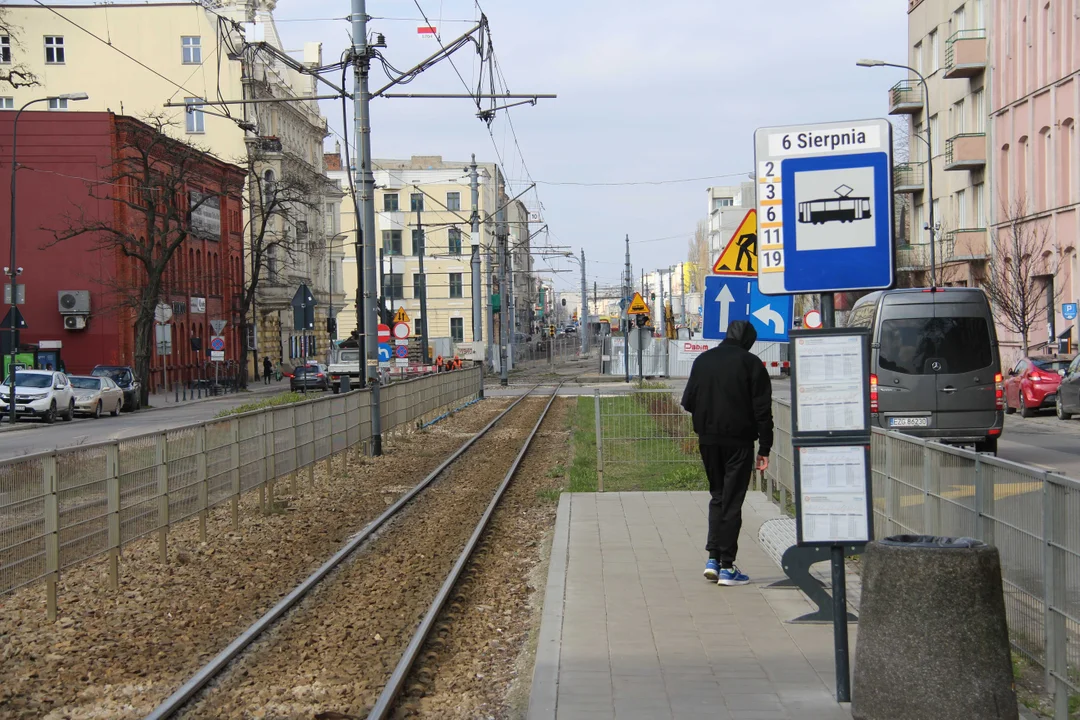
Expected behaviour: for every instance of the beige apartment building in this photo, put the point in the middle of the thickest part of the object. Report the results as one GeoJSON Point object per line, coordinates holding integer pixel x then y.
{"type": "Point", "coordinates": [948, 46]}
{"type": "Point", "coordinates": [423, 207]}
{"type": "Point", "coordinates": [137, 59]}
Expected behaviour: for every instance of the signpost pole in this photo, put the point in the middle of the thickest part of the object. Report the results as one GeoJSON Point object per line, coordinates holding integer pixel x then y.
{"type": "Point", "coordinates": [839, 579]}
{"type": "Point", "coordinates": [639, 337]}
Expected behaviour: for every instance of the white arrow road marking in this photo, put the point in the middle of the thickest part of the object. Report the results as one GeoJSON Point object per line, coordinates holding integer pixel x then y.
{"type": "Point", "coordinates": [725, 298]}
{"type": "Point", "coordinates": [767, 315]}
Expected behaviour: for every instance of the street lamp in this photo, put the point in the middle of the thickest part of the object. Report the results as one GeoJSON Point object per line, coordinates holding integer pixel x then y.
{"type": "Point", "coordinates": [930, 151]}
{"type": "Point", "coordinates": [13, 269]}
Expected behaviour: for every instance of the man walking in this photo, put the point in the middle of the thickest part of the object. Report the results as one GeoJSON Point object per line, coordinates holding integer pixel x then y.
{"type": "Point", "coordinates": [268, 370]}
{"type": "Point", "coordinates": [729, 395]}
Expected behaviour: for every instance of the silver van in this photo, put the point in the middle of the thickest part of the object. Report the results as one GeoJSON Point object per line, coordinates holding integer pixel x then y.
{"type": "Point", "coordinates": [934, 364]}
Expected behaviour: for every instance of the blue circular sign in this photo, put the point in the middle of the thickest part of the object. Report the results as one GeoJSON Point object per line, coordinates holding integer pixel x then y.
{"type": "Point", "coordinates": [384, 352]}
{"type": "Point", "coordinates": [401, 351]}
{"type": "Point", "coordinates": [217, 343]}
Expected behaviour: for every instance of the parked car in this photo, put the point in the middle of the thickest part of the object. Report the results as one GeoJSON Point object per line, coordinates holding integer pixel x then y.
{"type": "Point", "coordinates": [125, 379]}
{"type": "Point", "coordinates": [1033, 384]}
{"type": "Point", "coordinates": [312, 376]}
{"type": "Point", "coordinates": [1067, 402]}
{"type": "Point", "coordinates": [522, 338]}
{"type": "Point", "coordinates": [39, 393]}
{"type": "Point", "coordinates": [570, 330]}
{"type": "Point", "coordinates": [935, 371]}
{"type": "Point", "coordinates": [95, 395]}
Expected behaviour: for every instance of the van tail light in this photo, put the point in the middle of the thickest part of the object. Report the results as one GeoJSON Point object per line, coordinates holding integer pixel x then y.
{"type": "Point", "coordinates": [874, 393]}
{"type": "Point", "coordinates": [999, 391]}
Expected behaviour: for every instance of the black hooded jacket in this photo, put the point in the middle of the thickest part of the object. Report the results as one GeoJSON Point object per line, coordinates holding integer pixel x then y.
{"type": "Point", "coordinates": [729, 393]}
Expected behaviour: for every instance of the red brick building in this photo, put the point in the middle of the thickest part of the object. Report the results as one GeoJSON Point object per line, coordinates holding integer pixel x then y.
{"type": "Point", "coordinates": [67, 161]}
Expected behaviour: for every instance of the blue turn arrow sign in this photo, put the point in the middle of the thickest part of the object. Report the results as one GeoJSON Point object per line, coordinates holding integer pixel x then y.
{"type": "Point", "coordinates": [729, 298]}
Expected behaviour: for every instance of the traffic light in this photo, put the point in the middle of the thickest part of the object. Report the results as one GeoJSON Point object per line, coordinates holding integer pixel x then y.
{"type": "Point", "coordinates": [642, 320]}
{"type": "Point", "coordinates": [331, 326]}
{"type": "Point", "coordinates": [564, 302]}
{"type": "Point", "coordinates": [551, 331]}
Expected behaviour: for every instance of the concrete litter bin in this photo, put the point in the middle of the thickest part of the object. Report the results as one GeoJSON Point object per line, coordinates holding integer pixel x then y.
{"type": "Point", "coordinates": [933, 640]}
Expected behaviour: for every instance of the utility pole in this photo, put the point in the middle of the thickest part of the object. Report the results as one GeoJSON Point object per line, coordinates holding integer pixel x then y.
{"type": "Point", "coordinates": [625, 313]}
{"type": "Point", "coordinates": [662, 323]}
{"type": "Point", "coordinates": [511, 323]}
{"type": "Point", "coordinates": [500, 238]}
{"type": "Point", "coordinates": [583, 318]}
{"type": "Point", "coordinates": [477, 290]}
{"type": "Point", "coordinates": [420, 248]}
{"type": "Point", "coordinates": [682, 291]}
{"type": "Point", "coordinates": [366, 321]}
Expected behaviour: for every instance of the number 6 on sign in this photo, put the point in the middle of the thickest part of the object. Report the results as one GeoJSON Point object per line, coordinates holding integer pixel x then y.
{"type": "Point", "coordinates": [772, 261]}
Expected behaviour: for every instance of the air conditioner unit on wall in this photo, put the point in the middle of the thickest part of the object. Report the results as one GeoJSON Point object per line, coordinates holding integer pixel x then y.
{"type": "Point", "coordinates": [74, 301]}
{"type": "Point", "coordinates": [75, 322]}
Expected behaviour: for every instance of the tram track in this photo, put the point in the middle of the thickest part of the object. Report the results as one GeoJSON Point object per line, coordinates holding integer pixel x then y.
{"type": "Point", "coordinates": [345, 639]}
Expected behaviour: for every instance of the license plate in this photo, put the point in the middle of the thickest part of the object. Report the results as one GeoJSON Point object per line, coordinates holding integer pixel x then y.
{"type": "Point", "coordinates": [909, 422]}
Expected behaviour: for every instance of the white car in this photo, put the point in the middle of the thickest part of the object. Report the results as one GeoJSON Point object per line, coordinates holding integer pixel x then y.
{"type": "Point", "coordinates": [39, 393]}
{"type": "Point", "coordinates": [96, 395]}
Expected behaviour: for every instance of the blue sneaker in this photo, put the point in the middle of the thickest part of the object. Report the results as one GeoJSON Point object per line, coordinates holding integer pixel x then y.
{"type": "Point", "coordinates": [733, 576]}
{"type": "Point", "coordinates": [712, 570]}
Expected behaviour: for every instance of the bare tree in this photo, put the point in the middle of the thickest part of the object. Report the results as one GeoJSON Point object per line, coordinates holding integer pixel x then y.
{"type": "Point", "coordinates": [15, 75]}
{"type": "Point", "coordinates": [1022, 257]}
{"type": "Point", "coordinates": [151, 178]}
{"type": "Point", "coordinates": [274, 206]}
{"type": "Point", "coordinates": [698, 256]}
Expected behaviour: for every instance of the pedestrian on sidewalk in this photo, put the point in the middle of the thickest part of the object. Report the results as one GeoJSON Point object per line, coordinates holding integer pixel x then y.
{"type": "Point", "coordinates": [729, 394]}
{"type": "Point", "coordinates": [268, 369]}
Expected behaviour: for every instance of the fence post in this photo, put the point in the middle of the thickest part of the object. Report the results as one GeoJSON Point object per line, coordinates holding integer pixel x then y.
{"type": "Point", "coordinates": [888, 488]}
{"type": "Point", "coordinates": [266, 490]}
{"type": "Point", "coordinates": [52, 533]}
{"type": "Point", "coordinates": [161, 459]}
{"type": "Point", "coordinates": [234, 463]}
{"type": "Point", "coordinates": [112, 494]}
{"type": "Point", "coordinates": [1054, 583]}
{"type": "Point", "coordinates": [928, 511]}
{"type": "Point", "coordinates": [200, 477]}
{"type": "Point", "coordinates": [984, 502]}
{"type": "Point", "coordinates": [599, 443]}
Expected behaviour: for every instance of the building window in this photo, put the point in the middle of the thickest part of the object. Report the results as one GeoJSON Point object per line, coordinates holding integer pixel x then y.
{"type": "Point", "coordinates": [958, 117]}
{"type": "Point", "coordinates": [456, 287]}
{"type": "Point", "coordinates": [1045, 179]}
{"type": "Point", "coordinates": [417, 285]}
{"type": "Point", "coordinates": [935, 52]}
{"type": "Point", "coordinates": [1066, 150]}
{"type": "Point", "coordinates": [722, 202]}
{"type": "Point", "coordinates": [7, 103]}
{"type": "Point", "coordinates": [453, 201]}
{"type": "Point", "coordinates": [457, 329]}
{"type": "Point", "coordinates": [416, 202]}
{"type": "Point", "coordinates": [979, 197]}
{"type": "Point", "coordinates": [454, 242]}
{"type": "Point", "coordinates": [916, 57]}
{"type": "Point", "coordinates": [192, 49]}
{"type": "Point", "coordinates": [935, 132]}
{"type": "Point", "coordinates": [193, 116]}
{"type": "Point", "coordinates": [417, 242]}
{"type": "Point", "coordinates": [917, 147]}
{"type": "Point", "coordinates": [5, 49]}
{"type": "Point", "coordinates": [391, 242]}
{"type": "Point", "coordinates": [54, 50]}
{"type": "Point", "coordinates": [961, 209]}
{"type": "Point", "coordinates": [390, 202]}
{"type": "Point", "coordinates": [57, 103]}
{"type": "Point", "coordinates": [395, 286]}
{"type": "Point", "coordinates": [978, 111]}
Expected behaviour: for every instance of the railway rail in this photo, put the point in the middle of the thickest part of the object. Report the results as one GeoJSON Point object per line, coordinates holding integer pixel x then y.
{"type": "Point", "coordinates": [215, 671]}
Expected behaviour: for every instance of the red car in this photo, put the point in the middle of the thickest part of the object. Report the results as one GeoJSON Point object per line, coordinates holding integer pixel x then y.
{"type": "Point", "coordinates": [1033, 384]}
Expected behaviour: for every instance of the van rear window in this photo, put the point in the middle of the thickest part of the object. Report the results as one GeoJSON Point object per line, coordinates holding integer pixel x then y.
{"type": "Point", "coordinates": [960, 344]}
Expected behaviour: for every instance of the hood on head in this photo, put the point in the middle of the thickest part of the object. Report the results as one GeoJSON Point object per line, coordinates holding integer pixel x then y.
{"type": "Point", "coordinates": [742, 333]}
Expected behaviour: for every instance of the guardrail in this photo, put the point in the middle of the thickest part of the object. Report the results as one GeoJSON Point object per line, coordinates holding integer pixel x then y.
{"type": "Point", "coordinates": [1030, 515]}
{"type": "Point", "coordinates": [64, 507]}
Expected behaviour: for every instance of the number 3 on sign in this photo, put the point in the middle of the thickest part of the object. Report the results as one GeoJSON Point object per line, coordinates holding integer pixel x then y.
{"type": "Point", "coordinates": [772, 261]}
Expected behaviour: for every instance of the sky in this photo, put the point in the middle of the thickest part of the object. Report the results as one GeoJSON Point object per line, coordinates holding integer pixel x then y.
{"type": "Point", "coordinates": [647, 93]}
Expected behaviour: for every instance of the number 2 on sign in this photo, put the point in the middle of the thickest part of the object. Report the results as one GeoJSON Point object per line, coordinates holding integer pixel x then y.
{"type": "Point", "coordinates": [772, 259]}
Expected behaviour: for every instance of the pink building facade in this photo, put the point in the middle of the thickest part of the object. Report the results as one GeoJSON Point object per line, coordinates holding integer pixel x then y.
{"type": "Point", "coordinates": [1034, 111]}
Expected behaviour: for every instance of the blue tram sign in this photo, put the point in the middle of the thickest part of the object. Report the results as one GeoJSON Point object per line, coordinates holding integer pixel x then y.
{"type": "Point", "coordinates": [824, 207]}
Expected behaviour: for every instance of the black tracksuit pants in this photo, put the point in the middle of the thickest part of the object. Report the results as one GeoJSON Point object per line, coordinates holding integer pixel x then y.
{"type": "Point", "coordinates": [728, 470]}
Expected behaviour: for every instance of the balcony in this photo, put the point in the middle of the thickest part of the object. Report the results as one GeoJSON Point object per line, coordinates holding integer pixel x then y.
{"type": "Point", "coordinates": [906, 98]}
{"type": "Point", "coordinates": [909, 177]}
{"type": "Point", "coordinates": [966, 244]}
{"type": "Point", "coordinates": [966, 151]}
{"type": "Point", "coordinates": [911, 258]}
{"type": "Point", "coordinates": [965, 54]}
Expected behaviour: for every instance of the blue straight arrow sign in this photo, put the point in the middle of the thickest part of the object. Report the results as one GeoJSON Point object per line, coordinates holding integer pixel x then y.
{"type": "Point", "coordinates": [729, 298]}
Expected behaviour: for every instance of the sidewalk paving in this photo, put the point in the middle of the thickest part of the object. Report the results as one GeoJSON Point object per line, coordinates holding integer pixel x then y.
{"type": "Point", "coordinates": [255, 390]}
{"type": "Point", "coordinates": [632, 630]}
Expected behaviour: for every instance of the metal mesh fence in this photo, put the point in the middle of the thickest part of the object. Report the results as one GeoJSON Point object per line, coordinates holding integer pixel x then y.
{"type": "Point", "coordinates": [62, 508]}
{"type": "Point", "coordinates": [925, 488]}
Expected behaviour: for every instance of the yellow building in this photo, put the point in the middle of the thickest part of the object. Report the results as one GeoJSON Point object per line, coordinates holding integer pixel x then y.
{"type": "Point", "coordinates": [138, 59]}
{"type": "Point", "coordinates": [428, 192]}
